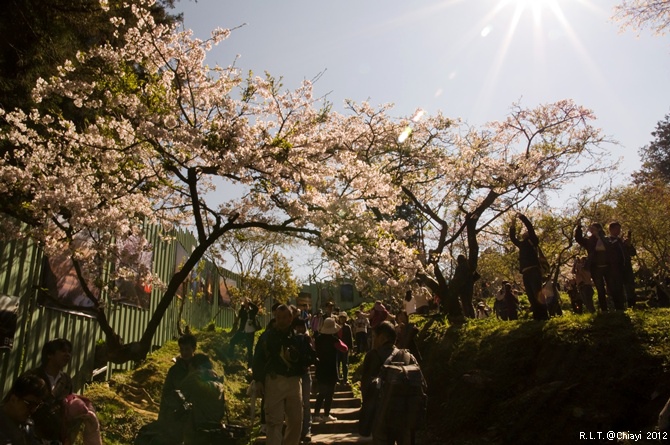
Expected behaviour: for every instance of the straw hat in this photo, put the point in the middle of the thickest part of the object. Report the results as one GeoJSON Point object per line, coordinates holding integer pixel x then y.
{"type": "Point", "coordinates": [343, 315]}
{"type": "Point", "coordinates": [330, 326]}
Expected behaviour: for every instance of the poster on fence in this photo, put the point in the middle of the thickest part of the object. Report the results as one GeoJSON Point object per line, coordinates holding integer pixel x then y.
{"type": "Point", "coordinates": [9, 314]}
{"type": "Point", "coordinates": [61, 288]}
{"type": "Point", "coordinates": [208, 282]}
{"type": "Point", "coordinates": [135, 258]}
{"type": "Point", "coordinates": [224, 295]}
{"type": "Point", "coordinates": [180, 259]}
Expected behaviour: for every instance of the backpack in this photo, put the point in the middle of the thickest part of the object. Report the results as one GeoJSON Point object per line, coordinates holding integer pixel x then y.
{"type": "Point", "coordinates": [402, 398]}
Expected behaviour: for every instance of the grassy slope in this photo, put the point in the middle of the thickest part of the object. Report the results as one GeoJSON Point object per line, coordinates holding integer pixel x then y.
{"type": "Point", "coordinates": [490, 382]}
{"type": "Point", "coordinates": [131, 399]}
{"type": "Point", "coordinates": [495, 382]}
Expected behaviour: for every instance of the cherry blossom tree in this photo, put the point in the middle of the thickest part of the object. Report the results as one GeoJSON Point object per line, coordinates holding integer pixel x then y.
{"type": "Point", "coordinates": [639, 14]}
{"type": "Point", "coordinates": [460, 180]}
{"type": "Point", "coordinates": [157, 131]}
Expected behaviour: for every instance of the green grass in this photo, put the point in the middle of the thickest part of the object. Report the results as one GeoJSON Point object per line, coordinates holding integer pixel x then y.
{"type": "Point", "coordinates": [131, 399]}
{"type": "Point", "coordinates": [525, 381]}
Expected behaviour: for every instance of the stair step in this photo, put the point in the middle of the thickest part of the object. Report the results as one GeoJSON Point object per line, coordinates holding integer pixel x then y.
{"type": "Point", "coordinates": [344, 394]}
{"type": "Point", "coordinates": [340, 426]}
{"type": "Point", "coordinates": [348, 413]}
{"type": "Point", "coordinates": [322, 439]}
{"type": "Point", "coordinates": [330, 439]}
{"type": "Point", "coordinates": [347, 402]}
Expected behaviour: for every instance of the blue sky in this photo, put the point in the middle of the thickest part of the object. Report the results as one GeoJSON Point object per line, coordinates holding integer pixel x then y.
{"type": "Point", "coordinates": [468, 58]}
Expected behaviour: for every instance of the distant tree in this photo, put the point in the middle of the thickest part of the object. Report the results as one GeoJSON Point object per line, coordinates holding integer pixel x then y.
{"type": "Point", "coordinates": [262, 269]}
{"type": "Point", "coordinates": [656, 156]}
{"type": "Point", "coordinates": [644, 209]}
{"type": "Point", "coordinates": [640, 14]}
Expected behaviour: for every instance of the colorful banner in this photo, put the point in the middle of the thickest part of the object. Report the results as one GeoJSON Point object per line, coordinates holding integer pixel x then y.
{"type": "Point", "coordinates": [135, 261]}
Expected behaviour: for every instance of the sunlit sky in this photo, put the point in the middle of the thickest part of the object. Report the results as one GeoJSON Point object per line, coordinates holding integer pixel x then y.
{"type": "Point", "coordinates": [468, 58]}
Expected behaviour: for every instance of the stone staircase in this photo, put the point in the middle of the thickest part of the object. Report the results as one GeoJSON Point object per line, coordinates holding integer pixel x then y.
{"type": "Point", "coordinates": [345, 429]}
{"type": "Point", "coordinates": [342, 431]}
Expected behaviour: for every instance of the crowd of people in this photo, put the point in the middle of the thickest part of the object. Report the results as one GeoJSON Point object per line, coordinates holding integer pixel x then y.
{"type": "Point", "coordinates": [606, 271]}
{"type": "Point", "coordinates": [42, 408]}
{"type": "Point", "coordinates": [294, 341]}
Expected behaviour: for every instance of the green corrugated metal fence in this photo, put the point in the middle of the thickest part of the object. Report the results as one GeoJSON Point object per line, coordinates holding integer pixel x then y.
{"type": "Point", "coordinates": [20, 269]}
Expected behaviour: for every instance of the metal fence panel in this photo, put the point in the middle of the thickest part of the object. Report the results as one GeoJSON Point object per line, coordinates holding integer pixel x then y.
{"type": "Point", "coordinates": [20, 271]}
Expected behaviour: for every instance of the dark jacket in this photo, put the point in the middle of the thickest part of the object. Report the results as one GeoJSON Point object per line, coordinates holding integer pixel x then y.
{"type": "Point", "coordinates": [528, 256]}
{"type": "Point", "coordinates": [613, 256]}
{"type": "Point", "coordinates": [246, 313]}
{"type": "Point", "coordinates": [277, 353]}
{"type": "Point", "coordinates": [170, 401]}
{"type": "Point", "coordinates": [463, 282]}
{"type": "Point", "coordinates": [48, 418]}
{"type": "Point", "coordinates": [326, 352]}
{"type": "Point", "coordinates": [346, 336]}
{"type": "Point", "coordinates": [372, 364]}
{"type": "Point", "coordinates": [204, 390]}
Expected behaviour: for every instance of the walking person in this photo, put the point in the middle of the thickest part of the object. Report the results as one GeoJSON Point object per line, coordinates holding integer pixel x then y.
{"type": "Point", "coordinates": [277, 368]}
{"type": "Point", "coordinates": [361, 328]}
{"type": "Point", "coordinates": [306, 349]}
{"type": "Point", "coordinates": [247, 325]}
{"type": "Point", "coordinates": [345, 334]}
{"type": "Point", "coordinates": [328, 344]}
{"type": "Point", "coordinates": [384, 431]}
{"type": "Point", "coordinates": [529, 266]}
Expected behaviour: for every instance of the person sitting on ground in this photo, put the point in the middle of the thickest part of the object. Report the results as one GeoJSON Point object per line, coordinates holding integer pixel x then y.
{"type": "Point", "coordinates": [202, 388]}
{"type": "Point", "coordinates": [62, 413]}
{"type": "Point", "coordinates": [327, 346]}
{"type": "Point", "coordinates": [171, 403]}
{"type": "Point", "coordinates": [25, 396]}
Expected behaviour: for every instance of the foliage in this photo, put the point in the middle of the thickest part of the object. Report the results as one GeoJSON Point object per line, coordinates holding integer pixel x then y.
{"type": "Point", "coordinates": [156, 129]}
{"type": "Point", "coordinates": [159, 126]}
{"type": "Point", "coordinates": [645, 207]}
{"type": "Point", "coordinates": [656, 156]}
{"type": "Point", "coordinates": [263, 270]}
{"type": "Point", "coordinates": [640, 14]}
{"type": "Point", "coordinates": [501, 382]}
{"type": "Point", "coordinates": [459, 181]}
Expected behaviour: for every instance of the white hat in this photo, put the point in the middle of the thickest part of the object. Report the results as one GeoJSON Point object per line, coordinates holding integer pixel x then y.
{"type": "Point", "coordinates": [343, 314]}
{"type": "Point", "coordinates": [329, 326]}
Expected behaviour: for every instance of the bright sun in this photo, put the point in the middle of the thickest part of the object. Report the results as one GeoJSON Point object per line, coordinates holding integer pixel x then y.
{"type": "Point", "coordinates": [536, 7]}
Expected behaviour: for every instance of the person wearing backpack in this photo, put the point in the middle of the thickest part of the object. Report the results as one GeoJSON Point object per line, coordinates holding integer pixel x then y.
{"type": "Point", "coordinates": [393, 390]}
